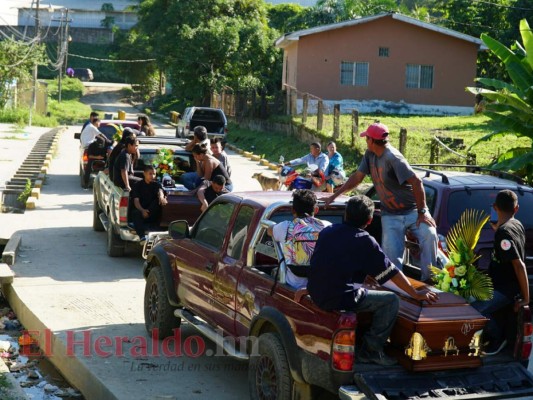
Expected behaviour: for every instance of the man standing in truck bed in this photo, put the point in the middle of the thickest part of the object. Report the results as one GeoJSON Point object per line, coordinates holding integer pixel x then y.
{"type": "Point", "coordinates": [402, 198]}
{"type": "Point", "coordinates": [344, 255]}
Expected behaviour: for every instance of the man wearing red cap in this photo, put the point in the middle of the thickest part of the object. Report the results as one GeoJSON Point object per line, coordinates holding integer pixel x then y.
{"type": "Point", "coordinates": [402, 197]}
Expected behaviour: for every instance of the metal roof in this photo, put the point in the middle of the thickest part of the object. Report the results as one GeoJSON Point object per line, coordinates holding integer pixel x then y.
{"type": "Point", "coordinates": [289, 38]}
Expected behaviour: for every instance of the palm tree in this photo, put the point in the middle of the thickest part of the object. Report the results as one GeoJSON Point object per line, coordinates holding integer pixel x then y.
{"type": "Point", "coordinates": [511, 104]}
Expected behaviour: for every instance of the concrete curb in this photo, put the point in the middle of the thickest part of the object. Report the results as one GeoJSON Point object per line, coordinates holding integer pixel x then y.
{"type": "Point", "coordinates": [79, 373]}
{"type": "Point", "coordinates": [6, 274]}
{"type": "Point", "coordinates": [10, 251]}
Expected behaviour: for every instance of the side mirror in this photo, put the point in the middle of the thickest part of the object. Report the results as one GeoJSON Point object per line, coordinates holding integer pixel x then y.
{"type": "Point", "coordinates": [179, 230]}
{"type": "Point", "coordinates": [77, 135]}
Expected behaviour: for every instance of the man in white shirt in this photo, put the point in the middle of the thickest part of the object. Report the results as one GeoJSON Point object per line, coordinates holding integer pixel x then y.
{"type": "Point", "coordinates": [91, 133]}
{"type": "Point", "coordinates": [96, 144]}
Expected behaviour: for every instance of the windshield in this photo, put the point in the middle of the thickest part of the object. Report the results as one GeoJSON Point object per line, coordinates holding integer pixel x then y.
{"type": "Point", "coordinates": [483, 199]}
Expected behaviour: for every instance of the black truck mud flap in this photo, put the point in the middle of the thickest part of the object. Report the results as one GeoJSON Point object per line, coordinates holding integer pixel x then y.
{"type": "Point", "coordinates": [501, 381]}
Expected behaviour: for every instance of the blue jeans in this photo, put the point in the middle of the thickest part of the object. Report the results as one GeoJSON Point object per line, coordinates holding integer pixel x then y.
{"type": "Point", "coordinates": [384, 307]}
{"type": "Point", "coordinates": [394, 228]}
{"type": "Point", "coordinates": [191, 180]}
{"type": "Point", "coordinates": [487, 308]}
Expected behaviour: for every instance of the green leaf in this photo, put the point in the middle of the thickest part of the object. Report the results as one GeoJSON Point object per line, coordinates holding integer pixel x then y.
{"type": "Point", "coordinates": [497, 84]}
{"type": "Point", "coordinates": [520, 73]}
{"type": "Point", "coordinates": [527, 38]}
{"type": "Point", "coordinates": [515, 159]}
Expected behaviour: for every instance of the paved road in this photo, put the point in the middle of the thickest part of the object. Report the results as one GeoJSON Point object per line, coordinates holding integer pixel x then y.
{"type": "Point", "coordinates": [92, 305]}
{"type": "Point", "coordinates": [66, 283]}
{"type": "Point", "coordinates": [88, 307]}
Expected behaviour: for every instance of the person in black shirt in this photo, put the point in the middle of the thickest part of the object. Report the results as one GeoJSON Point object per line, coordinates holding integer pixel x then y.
{"type": "Point", "coordinates": [123, 165]}
{"type": "Point", "coordinates": [127, 132]}
{"type": "Point", "coordinates": [507, 269]}
{"type": "Point", "coordinates": [214, 190]}
{"type": "Point", "coordinates": [344, 255]}
{"type": "Point", "coordinates": [148, 197]}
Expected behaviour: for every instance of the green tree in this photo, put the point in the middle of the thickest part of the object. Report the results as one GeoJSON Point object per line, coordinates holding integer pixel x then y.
{"type": "Point", "coordinates": [476, 18]}
{"type": "Point", "coordinates": [286, 17]}
{"type": "Point", "coordinates": [17, 60]}
{"type": "Point", "coordinates": [210, 45]}
{"type": "Point", "coordinates": [511, 105]}
{"type": "Point", "coordinates": [109, 21]}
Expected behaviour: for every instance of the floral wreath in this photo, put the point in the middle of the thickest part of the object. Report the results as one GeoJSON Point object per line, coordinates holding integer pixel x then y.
{"type": "Point", "coordinates": [460, 276]}
{"type": "Point", "coordinates": [164, 163]}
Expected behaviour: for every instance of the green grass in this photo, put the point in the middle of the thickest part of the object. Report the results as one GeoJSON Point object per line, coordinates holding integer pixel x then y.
{"type": "Point", "coordinates": [420, 132]}
{"type": "Point", "coordinates": [69, 111]}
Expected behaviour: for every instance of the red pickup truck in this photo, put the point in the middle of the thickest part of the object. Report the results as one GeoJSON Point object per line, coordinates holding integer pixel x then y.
{"type": "Point", "coordinates": [224, 276]}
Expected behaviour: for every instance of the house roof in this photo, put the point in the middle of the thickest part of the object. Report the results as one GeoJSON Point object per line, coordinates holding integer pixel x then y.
{"type": "Point", "coordinates": [291, 37]}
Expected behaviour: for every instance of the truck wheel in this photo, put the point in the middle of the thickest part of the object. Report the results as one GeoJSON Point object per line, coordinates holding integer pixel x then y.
{"type": "Point", "coordinates": [269, 376]}
{"type": "Point", "coordinates": [97, 224]}
{"type": "Point", "coordinates": [158, 314]}
{"type": "Point", "coordinates": [115, 245]}
{"type": "Point", "coordinates": [82, 179]}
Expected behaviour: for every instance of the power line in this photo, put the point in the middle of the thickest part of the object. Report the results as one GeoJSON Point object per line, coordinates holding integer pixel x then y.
{"type": "Point", "coordinates": [502, 5]}
{"type": "Point", "coordinates": [109, 60]}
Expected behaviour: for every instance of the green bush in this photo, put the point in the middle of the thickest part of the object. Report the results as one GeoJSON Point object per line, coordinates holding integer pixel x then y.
{"type": "Point", "coordinates": [71, 89]}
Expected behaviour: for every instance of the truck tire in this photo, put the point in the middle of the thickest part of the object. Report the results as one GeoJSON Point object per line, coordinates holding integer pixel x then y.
{"type": "Point", "coordinates": [115, 245]}
{"type": "Point", "coordinates": [82, 179]}
{"type": "Point", "coordinates": [269, 376]}
{"type": "Point", "coordinates": [158, 313]}
{"type": "Point", "coordinates": [97, 224]}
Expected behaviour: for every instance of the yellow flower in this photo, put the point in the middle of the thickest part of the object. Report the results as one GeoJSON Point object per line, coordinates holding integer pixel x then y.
{"type": "Point", "coordinates": [460, 270]}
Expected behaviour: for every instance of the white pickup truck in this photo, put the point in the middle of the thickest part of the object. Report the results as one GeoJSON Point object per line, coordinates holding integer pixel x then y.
{"type": "Point", "coordinates": [111, 206]}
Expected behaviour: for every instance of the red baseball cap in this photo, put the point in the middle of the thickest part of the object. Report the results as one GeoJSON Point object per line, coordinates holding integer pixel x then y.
{"type": "Point", "coordinates": [376, 131]}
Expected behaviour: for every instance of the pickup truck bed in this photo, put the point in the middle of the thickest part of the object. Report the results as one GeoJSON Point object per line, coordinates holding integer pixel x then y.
{"type": "Point", "coordinates": [112, 206]}
{"type": "Point", "coordinates": [225, 277]}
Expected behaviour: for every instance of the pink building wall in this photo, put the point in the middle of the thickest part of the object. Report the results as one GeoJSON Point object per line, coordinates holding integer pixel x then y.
{"type": "Point", "coordinates": [314, 63]}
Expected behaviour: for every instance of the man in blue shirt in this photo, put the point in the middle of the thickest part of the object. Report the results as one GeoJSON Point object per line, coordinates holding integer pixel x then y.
{"type": "Point", "coordinates": [344, 255]}
{"type": "Point", "coordinates": [315, 157]}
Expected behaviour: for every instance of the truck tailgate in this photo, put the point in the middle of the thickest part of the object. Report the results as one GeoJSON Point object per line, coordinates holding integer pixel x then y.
{"type": "Point", "coordinates": [510, 380]}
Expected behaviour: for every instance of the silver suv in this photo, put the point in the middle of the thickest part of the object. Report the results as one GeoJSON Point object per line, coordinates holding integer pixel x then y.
{"type": "Point", "coordinates": [213, 119]}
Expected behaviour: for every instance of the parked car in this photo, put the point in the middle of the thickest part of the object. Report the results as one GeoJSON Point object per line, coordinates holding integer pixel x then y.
{"type": "Point", "coordinates": [449, 193]}
{"type": "Point", "coordinates": [226, 277]}
{"type": "Point", "coordinates": [213, 119]}
{"type": "Point", "coordinates": [108, 127]}
{"type": "Point", "coordinates": [111, 205]}
{"type": "Point", "coordinates": [83, 74]}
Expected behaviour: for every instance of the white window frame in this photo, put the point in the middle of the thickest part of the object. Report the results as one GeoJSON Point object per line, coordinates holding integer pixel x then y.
{"type": "Point", "coordinates": [357, 79]}
{"type": "Point", "coordinates": [416, 76]}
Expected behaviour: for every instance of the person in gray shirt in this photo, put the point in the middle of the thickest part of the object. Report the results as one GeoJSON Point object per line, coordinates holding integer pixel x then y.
{"type": "Point", "coordinates": [402, 197]}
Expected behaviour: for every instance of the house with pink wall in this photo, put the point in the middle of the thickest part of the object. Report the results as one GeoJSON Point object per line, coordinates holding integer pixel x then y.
{"type": "Point", "coordinates": [387, 63]}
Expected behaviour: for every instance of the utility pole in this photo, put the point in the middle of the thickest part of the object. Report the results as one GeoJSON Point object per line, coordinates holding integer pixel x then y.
{"type": "Point", "coordinates": [35, 68]}
{"type": "Point", "coordinates": [62, 48]}
{"type": "Point", "coordinates": [67, 40]}
{"type": "Point", "coordinates": [60, 55]}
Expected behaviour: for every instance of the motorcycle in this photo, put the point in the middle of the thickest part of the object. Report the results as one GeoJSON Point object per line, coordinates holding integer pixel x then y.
{"type": "Point", "coordinates": [311, 178]}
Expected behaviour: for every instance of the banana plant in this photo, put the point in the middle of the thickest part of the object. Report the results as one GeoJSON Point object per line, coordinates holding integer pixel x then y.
{"type": "Point", "coordinates": [510, 105]}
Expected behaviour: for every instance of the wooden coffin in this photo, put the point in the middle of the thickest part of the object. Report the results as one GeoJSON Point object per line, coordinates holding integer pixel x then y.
{"type": "Point", "coordinates": [449, 332]}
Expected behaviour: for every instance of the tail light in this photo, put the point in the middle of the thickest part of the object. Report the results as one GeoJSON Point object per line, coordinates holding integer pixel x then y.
{"type": "Point", "coordinates": [343, 347]}
{"type": "Point", "coordinates": [123, 209]}
{"type": "Point", "coordinates": [85, 157]}
{"type": "Point", "coordinates": [343, 343]}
